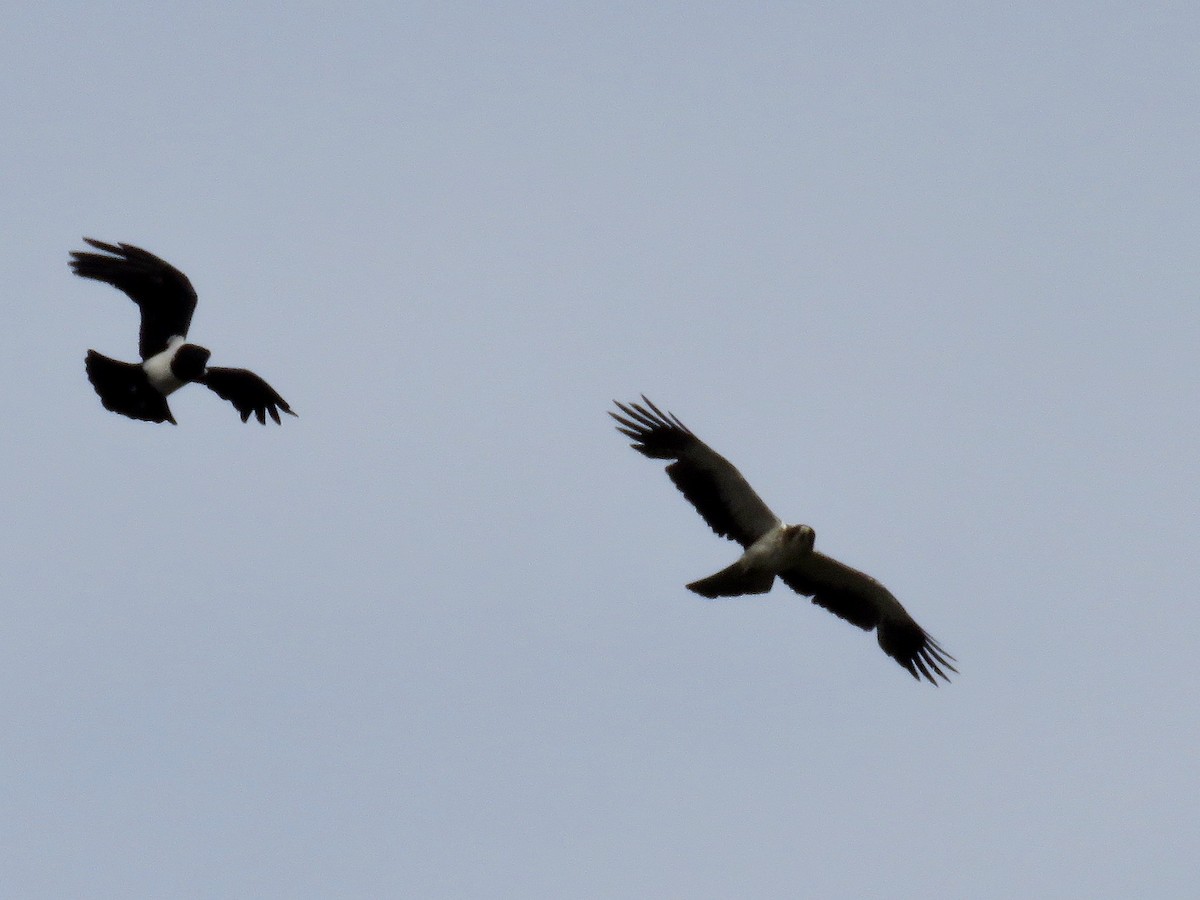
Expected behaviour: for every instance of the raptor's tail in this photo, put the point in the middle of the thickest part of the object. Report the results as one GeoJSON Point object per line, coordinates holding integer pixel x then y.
{"type": "Point", "coordinates": [733, 581]}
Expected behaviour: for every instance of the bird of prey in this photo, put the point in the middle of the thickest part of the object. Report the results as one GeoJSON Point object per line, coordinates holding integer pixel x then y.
{"type": "Point", "coordinates": [733, 510]}
{"type": "Point", "coordinates": [166, 300]}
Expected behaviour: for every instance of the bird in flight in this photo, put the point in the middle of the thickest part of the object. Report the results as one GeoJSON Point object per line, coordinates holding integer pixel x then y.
{"type": "Point", "coordinates": [733, 510]}
{"type": "Point", "coordinates": [166, 299]}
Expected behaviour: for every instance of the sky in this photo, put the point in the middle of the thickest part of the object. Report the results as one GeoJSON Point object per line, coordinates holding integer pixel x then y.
{"type": "Point", "coordinates": [928, 275]}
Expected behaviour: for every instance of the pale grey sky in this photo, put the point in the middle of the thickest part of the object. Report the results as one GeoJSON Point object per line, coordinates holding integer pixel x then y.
{"type": "Point", "coordinates": [927, 275]}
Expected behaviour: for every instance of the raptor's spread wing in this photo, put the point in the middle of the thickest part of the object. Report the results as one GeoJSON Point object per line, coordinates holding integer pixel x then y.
{"type": "Point", "coordinates": [708, 480]}
{"type": "Point", "coordinates": [861, 600]}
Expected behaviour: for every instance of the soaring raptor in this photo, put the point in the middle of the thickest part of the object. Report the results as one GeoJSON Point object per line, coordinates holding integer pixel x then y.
{"type": "Point", "coordinates": [733, 510]}
{"type": "Point", "coordinates": [166, 300]}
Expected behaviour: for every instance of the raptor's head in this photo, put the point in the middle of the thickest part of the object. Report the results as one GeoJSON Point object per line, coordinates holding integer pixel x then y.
{"type": "Point", "coordinates": [801, 537]}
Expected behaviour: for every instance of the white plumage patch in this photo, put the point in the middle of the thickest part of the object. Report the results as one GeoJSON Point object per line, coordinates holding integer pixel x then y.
{"type": "Point", "coordinates": [158, 368]}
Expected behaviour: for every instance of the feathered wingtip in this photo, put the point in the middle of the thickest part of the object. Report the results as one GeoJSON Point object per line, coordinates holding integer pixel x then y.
{"type": "Point", "coordinates": [929, 658]}
{"type": "Point", "coordinates": [920, 654]}
{"type": "Point", "coordinates": [100, 266]}
{"type": "Point", "coordinates": [655, 434]}
{"type": "Point", "coordinates": [249, 394]}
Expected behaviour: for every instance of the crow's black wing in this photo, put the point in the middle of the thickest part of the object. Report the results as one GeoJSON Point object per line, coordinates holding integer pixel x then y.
{"type": "Point", "coordinates": [247, 392]}
{"type": "Point", "coordinates": [163, 293]}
